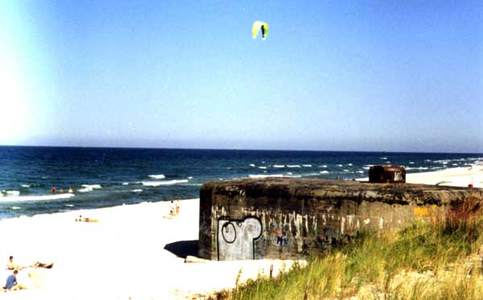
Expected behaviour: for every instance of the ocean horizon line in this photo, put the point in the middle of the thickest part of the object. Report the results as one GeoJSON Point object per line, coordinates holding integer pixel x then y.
{"type": "Point", "coordinates": [232, 149]}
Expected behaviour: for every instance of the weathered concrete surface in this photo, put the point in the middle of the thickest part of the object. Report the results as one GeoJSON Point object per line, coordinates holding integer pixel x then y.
{"type": "Point", "coordinates": [288, 218]}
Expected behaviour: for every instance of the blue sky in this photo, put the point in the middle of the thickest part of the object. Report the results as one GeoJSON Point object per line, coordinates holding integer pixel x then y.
{"type": "Point", "coordinates": [332, 75]}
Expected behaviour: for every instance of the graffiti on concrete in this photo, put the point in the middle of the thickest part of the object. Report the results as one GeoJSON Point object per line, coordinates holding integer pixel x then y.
{"type": "Point", "coordinates": [236, 238]}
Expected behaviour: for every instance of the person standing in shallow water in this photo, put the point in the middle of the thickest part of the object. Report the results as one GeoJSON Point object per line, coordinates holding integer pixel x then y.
{"type": "Point", "coordinates": [53, 189]}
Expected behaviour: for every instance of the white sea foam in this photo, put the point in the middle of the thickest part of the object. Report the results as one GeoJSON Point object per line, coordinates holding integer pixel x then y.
{"type": "Point", "coordinates": [5, 193]}
{"type": "Point", "coordinates": [442, 161]}
{"type": "Point", "coordinates": [262, 167]}
{"type": "Point", "coordinates": [279, 166]}
{"type": "Point", "coordinates": [340, 165]}
{"type": "Point", "coordinates": [367, 167]}
{"type": "Point", "coordinates": [417, 168]}
{"type": "Point", "coordinates": [383, 158]}
{"type": "Point", "coordinates": [323, 166]}
{"type": "Point", "coordinates": [411, 162]}
{"type": "Point", "coordinates": [137, 190]}
{"type": "Point", "coordinates": [163, 182]}
{"type": "Point", "coordinates": [293, 166]}
{"type": "Point", "coordinates": [15, 207]}
{"type": "Point", "coordinates": [324, 172]}
{"type": "Point", "coordinates": [157, 176]}
{"type": "Point", "coordinates": [125, 183]}
{"type": "Point", "coordinates": [69, 205]}
{"type": "Point", "coordinates": [252, 165]}
{"type": "Point", "coordinates": [349, 164]}
{"type": "Point", "coordinates": [25, 185]}
{"type": "Point", "coordinates": [309, 174]}
{"type": "Point", "coordinates": [307, 166]}
{"type": "Point", "coordinates": [345, 170]}
{"type": "Point", "coordinates": [89, 188]}
{"type": "Point", "coordinates": [190, 177]}
{"type": "Point", "coordinates": [264, 175]}
{"type": "Point", "coordinates": [36, 197]}
{"type": "Point", "coordinates": [360, 172]}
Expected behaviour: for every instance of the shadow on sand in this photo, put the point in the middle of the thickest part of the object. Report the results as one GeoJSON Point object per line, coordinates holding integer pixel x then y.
{"type": "Point", "coordinates": [183, 248]}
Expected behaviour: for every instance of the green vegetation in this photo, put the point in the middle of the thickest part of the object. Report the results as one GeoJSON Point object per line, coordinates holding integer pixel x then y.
{"type": "Point", "coordinates": [426, 261]}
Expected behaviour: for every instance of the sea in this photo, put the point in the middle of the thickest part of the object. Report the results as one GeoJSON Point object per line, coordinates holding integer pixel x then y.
{"type": "Point", "coordinates": [85, 178]}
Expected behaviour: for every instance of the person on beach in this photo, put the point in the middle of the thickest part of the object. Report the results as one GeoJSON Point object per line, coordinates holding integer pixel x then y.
{"type": "Point", "coordinates": [11, 265]}
{"type": "Point", "coordinates": [86, 219]}
{"type": "Point", "coordinates": [177, 207]}
{"type": "Point", "coordinates": [38, 264]}
{"type": "Point", "coordinates": [11, 284]}
{"type": "Point", "coordinates": [53, 190]}
{"type": "Point", "coordinates": [174, 208]}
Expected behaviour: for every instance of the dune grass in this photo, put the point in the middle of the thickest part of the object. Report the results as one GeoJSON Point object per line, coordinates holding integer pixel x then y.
{"type": "Point", "coordinates": [425, 261]}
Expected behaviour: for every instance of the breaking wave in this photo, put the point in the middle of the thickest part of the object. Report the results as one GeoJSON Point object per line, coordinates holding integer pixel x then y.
{"type": "Point", "coordinates": [89, 188]}
{"type": "Point", "coordinates": [266, 176]}
{"type": "Point", "coordinates": [36, 197]}
{"type": "Point", "coordinates": [158, 176]}
{"type": "Point", "coordinates": [5, 193]}
{"type": "Point", "coordinates": [163, 182]}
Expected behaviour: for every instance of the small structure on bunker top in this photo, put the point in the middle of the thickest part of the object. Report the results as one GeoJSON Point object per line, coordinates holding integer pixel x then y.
{"type": "Point", "coordinates": [387, 173]}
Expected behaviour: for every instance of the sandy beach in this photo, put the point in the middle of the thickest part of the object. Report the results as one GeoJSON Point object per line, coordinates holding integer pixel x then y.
{"type": "Point", "coordinates": [120, 257]}
{"type": "Point", "coordinates": [123, 255]}
{"type": "Point", "coordinates": [463, 177]}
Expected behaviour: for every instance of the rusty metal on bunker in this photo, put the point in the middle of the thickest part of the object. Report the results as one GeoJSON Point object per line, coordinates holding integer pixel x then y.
{"type": "Point", "coordinates": [387, 173]}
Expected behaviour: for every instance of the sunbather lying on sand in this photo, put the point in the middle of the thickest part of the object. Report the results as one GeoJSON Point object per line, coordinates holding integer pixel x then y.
{"type": "Point", "coordinates": [38, 264]}
{"type": "Point", "coordinates": [86, 219]}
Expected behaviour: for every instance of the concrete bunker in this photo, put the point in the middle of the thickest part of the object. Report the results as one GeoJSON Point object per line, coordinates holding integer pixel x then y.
{"type": "Point", "coordinates": [291, 218]}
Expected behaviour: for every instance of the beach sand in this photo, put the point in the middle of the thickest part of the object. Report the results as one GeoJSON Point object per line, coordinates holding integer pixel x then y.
{"type": "Point", "coordinates": [450, 177]}
{"type": "Point", "coordinates": [123, 257]}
